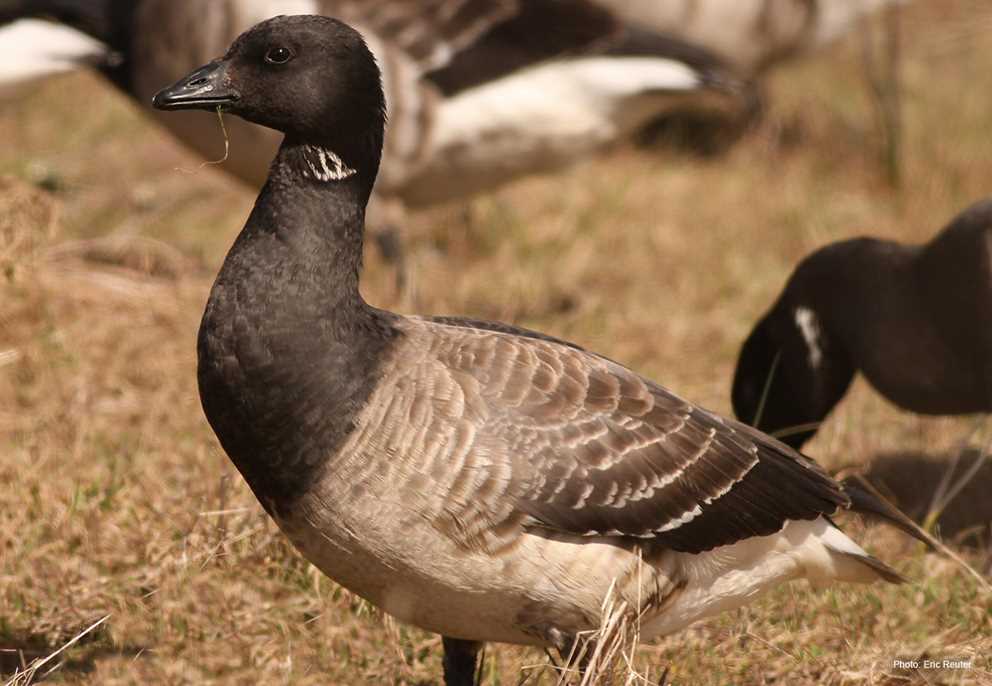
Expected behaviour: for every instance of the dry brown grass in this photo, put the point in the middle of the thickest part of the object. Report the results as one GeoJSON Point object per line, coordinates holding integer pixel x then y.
{"type": "Point", "coordinates": [118, 501]}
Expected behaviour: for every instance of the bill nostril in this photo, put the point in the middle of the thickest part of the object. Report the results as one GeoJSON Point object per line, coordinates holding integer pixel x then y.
{"type": "Point", "coordinates": [197, 82]}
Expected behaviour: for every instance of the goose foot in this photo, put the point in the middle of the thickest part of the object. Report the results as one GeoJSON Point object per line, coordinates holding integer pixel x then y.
{"type": "Point", "coordinates": [460, 661]}
{"type": "Point", "coordinates": [573, 653]}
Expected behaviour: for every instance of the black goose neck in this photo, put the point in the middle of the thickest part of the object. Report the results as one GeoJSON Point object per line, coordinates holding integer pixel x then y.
{"type": "Point", "coordinates": [351, 153]}
{"type": "Point", "coordinates": [310, 217]}
{"type": "Point", "coordinates": [287, 326]}
{"type": "Point", "coordinates": [343, 169]}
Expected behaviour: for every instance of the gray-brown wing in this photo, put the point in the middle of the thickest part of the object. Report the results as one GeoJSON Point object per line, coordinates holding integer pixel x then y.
{"type": "Point", "coordinates": [430, 32]}
{"type": "Point", "coordinates": [597, 450]}
{"type": "Point", "coordinates": [500, 327]}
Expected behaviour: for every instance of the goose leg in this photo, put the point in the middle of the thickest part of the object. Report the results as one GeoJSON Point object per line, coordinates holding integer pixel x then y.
{"type": "Point", "coordinates": [459, 661]}
{"type": "Point", "coordinates": [574, 655]}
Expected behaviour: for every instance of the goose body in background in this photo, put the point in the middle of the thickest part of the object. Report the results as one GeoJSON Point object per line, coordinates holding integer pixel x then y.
{"type": "Point", "coordinates": [914, 319]}
{"type": "Point", "coordinates": [481, 91]}
{"type": "Point", "coordinates": [751, 35]}
{"type": "Point", "coordinates": [481, 481]}
{"type": "Point", "coordinates": [32, 49]}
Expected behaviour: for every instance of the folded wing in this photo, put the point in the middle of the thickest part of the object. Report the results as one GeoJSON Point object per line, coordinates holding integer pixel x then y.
{"type": "Point", "coordinates": [597, 450]}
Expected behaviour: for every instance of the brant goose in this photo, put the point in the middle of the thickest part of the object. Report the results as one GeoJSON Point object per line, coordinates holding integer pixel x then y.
{"type": "Point", "coordinates": [481, 481]}
{"type": "Point", "coordinates": [912, 318]}
{"type": "Point", "coordinates": [481, 91]}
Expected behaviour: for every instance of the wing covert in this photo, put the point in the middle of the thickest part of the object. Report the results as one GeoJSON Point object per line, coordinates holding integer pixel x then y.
{"type": "Point", "coordinates": [600, 451]}
{"type": "Point", "coordinates": [430, 32]}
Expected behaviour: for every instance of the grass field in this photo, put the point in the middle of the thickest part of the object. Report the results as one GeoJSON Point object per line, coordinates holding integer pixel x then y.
{"type": "Point", "coordinates": [118, 503]}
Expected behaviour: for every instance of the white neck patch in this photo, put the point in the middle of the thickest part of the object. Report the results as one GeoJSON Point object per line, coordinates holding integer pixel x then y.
{"type": "Point", "coordinates": [321, 164]}
{"type": "Point", "coordinates": [809, 326]}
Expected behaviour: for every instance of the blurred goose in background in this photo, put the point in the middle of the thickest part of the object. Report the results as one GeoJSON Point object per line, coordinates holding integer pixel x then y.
{"type": "Point", "coordinates": [32, 49]}
{"type": "Point", "coordinates": [755, 35]}
{"type": "Point", "coordinates": [480, 91]}
{"type": "Point", "coordinates": [478, 480]}
{"type": "Point", "coordinates": [472, 43]}
{"type": "Point", "coordinates": [914, 319]}
{"type": "Point", "coordinates": [751, 35]}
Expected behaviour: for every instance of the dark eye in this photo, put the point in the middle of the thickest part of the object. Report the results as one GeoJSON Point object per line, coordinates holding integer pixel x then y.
{"type": "Point", "coordinates": [278, 55]}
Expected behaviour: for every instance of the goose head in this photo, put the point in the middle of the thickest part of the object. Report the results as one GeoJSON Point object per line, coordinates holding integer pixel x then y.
{"type": "Point", "coordinates": [790, 373]}
{"type": "Point", "coordinates": [311, 77]}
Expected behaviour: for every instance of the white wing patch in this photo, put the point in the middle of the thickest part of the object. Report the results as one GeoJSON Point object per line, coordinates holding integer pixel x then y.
{"type": "Point", "coordinates": [809, 326]}
{"type": "Point", "coordinates": [597, 98]}
{"type": "Point", "coordinates": [321, 164]}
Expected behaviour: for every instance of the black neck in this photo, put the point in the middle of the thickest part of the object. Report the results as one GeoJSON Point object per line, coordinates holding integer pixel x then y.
{"type": "Point", "coordinates": [317, 222]}
{"type": "Point", "coordinates": [354, 157]}
{"type": "Point", "coordinates": [287, 327]}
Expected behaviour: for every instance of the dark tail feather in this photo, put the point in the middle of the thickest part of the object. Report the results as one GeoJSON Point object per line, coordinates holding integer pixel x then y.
{"type": "Point", "coordinates": [12, 10]}
{"type": "Point", "coordinates": [867, 501]}
{"type": "Point", "coordinates": [60, 10]}
{"type": "Point", "coordinates": [101, 19]}
{"type": "Point", "coordinates": [108, 21]}
{"type": "Point", "coordinates": [715, 71]}
{"type": "Point", "coordinates": [885, 572]}
{"type": "Point", "coordinates": [704, 126]}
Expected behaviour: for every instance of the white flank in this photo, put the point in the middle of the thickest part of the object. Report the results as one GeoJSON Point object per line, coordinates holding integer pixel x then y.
{"type": "Point", "coordinates": [732, 576]}
{"type": "Point", "coordinates": [31, 49]}
{"type": "Point", "coordinates": [809, 326]}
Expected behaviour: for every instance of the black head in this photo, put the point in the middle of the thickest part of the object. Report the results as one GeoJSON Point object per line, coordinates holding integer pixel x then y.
{"type": "Point", "coordinates": [790, 374]}
{"type": "Point", "coordinates": [311, 77]}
